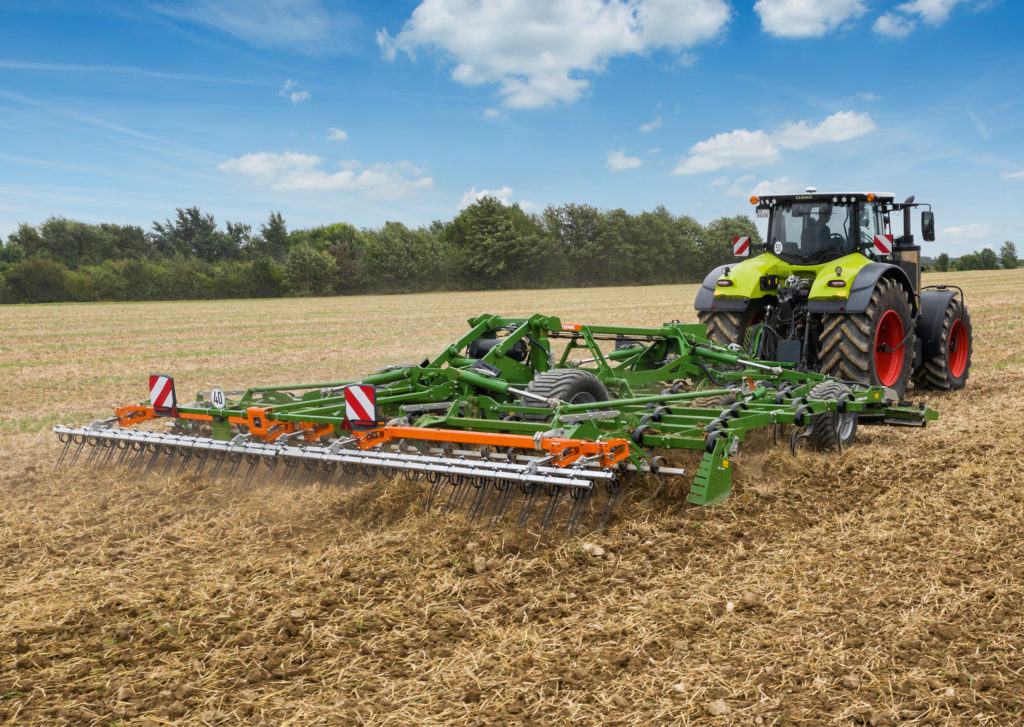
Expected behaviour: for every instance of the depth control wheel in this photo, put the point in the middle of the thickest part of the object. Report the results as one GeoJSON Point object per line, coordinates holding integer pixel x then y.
{"type": "Point", "coordinates": [572, 386]}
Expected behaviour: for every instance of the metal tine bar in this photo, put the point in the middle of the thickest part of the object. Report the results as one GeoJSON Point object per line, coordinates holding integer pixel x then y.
{"type": "Point", "coordinates": [505, 493]}
{"type": "Point", "coordinates": [253, 464]}
{"type": "Point", "coordinates": [139, 454]}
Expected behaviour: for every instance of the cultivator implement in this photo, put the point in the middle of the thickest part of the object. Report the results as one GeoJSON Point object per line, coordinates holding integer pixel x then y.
{"type": "Point", "coordinates": [522, 418]}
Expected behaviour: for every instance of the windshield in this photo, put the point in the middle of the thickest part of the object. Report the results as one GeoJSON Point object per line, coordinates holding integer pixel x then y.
{"type": "Point", "coordinates": [810, 232]}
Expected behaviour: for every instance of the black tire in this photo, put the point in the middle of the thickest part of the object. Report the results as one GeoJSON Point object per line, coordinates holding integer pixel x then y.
{"type": "Point", "coordinates": [823, 427]}
{"type": "Point", "coordinates": [849, 343]}
{"type": "Point", "coordinates": [726, 327]}
{"type": "Point", "coordinates": [572, 386]}
{"type": "Point", "coordinates": [948, 370]}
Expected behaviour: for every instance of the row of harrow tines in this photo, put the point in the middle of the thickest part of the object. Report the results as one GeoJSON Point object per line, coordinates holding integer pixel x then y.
{"type": "Point", "coordinates": [527, 419]}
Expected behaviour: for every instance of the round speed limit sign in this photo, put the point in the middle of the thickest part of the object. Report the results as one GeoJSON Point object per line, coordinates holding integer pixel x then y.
{"type": "Point", "coordinates": [217, 398]}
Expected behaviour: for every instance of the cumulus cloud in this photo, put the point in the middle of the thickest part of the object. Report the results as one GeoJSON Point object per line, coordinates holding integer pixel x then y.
{"type": "Point", "coordinates": [290, 91]}
{"type": "Point", "coordinates": [538, 50]}
{"type": "Point", "coordinates": [892, 25]}
{"type": "Point", "coordinates": [502, 194]}
{"type": "Point", "coordinates": [618, 161]}
{"type": "Point", "coordinates": [336, 134]}
{"type": "Point", "coordinates": [900, 22]}
{"type": "Point", "coordinates": [743, 148]}
{"type": "Point", "coordinates": [806, 18]}
{"type": "Point", "coordinates": [292, 171]}
{"type": "Point", "coordinates": [311, 27]}
{"type": "Point", "coordinates": [782, 185]}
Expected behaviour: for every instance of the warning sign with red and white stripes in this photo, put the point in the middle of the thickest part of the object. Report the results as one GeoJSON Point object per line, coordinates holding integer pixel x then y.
{"type": "Point", "coordinates": [883, 244]}
{"type": "Point", "coordinates": [161, 395]}
{"type": "Point", "coordinates": [740, 246]}
{"type": "Point", "coordinates": [361, 404]}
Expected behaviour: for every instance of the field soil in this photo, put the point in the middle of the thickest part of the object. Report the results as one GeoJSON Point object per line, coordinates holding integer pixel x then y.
{"type": "Point", "coordinates": [880, 586]}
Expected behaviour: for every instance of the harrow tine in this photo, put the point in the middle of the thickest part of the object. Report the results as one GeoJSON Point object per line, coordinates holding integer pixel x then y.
{"type": "Point", "coordinates": [125, 448]}
{"type": "Point", "coordinates": [94, 448]}
{"type": "Point", "coordinates": [615, 490]}
{"type": "Point", "coordinates": [185, 456]}
{"type": "Point", "coordinates": [506, 490]}
{"type": "Point", "coordinates": [483, 493]}
{"type": "Point", "coordinates": [580, 500]}
{"type": "Point", "coordinates": [140, 449]}
{"type": "Point", "coordinates": [203, 456]}
{"type": "Point", "coordinates": [554, 498]}
{"type": "Point", "coordinates": [108, 445]}
{"type": "Point", "coordinates": [66, 439]}
{"type": "Point", "coordinates": [529, 497]}
{"type": "Point", "coordinates": [80, 441]}
{"type": "Point", "coordinates": [171, 452]}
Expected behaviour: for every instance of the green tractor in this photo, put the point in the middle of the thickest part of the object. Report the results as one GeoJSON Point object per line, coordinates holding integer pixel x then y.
{"type": "Point", "coordinates": [833, 291]}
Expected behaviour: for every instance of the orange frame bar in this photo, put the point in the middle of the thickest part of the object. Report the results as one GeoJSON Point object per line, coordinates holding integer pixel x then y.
{"type": "Point", "coordinates": [565, 451]}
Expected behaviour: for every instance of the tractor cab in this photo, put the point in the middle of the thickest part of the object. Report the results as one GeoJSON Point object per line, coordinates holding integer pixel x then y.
{"type": "Point", "coordinates": [809, 229]}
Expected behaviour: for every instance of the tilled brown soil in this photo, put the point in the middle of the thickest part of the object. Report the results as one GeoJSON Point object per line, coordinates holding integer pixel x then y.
{"type": "Point", "coordinates": [880, 586]}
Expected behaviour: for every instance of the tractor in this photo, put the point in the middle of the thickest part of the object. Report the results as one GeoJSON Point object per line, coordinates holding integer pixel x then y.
{"type": "Point", "coordinates": [833, 291]}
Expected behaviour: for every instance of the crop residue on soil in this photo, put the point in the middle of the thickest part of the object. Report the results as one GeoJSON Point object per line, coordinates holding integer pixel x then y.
{"type": "Point", "coordinates": [881, 586]}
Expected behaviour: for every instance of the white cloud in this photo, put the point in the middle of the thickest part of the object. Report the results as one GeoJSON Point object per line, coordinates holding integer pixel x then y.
{"type": "Point", "coordinates": [738, 184]}
{"type": "Point", "coordinates": [782, 185]}
{"type": "Point", "coordinates": [743, 148]}
{"type": "Point", "coordinates": [311, 27]}
{"type": "Point", "coordinates": [618, 161]}
{"type": "Point", "coordinates": [806, 18]}
{"type": "Point", "coordinates": [967, 232]}
{"type": "Point", "coordinates": [892, 25]}
{"type": "Point", "coordinates": [292, 171]}
{"type": "Point", "coordinates": [491, 113]}
{"type": "Point", "coordinates": [902, 21]}
{"type": "Point", "coordinates": [290, 92]}
{"type": "Point", "coordinates": [719, 181]}
{"type": "Point", "coordinates": [336, 134]}
{"type": "Point", "coordinates": [537, 50]}
{"type": "Point", "coordinates": [867, 96]}
{"type": "Point", "coordinates": [502, 194]}
{"type": "Point", "coordinates": [654, 150]}
{"type": "Point", "coordinates": [1013, 175]}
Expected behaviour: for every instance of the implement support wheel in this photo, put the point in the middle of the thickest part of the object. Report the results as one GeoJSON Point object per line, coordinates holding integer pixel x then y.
{"type": "Point", "coordinates": [572, 386]}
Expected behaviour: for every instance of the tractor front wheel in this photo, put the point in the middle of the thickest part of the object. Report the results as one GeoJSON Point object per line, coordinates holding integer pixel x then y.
{"type": "Point", "coordinates": [948, 369]}
{"type": "Point", "coordinates": [875, 347]}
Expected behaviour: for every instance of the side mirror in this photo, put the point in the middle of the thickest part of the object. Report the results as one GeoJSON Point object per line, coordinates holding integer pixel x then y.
{"type": "Point", "coordinates": [928, 225]}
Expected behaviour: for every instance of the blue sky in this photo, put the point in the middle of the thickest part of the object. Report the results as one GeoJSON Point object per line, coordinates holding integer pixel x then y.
{"type": "Point", "coordinates": [363, 112]}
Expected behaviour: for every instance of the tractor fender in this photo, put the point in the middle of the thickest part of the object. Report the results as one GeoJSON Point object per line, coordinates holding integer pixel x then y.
{"type": "Point", "coordinates": [929, 324]}
{"type": "Point", "coordinates": [861, 288]}
{"type": "Point", "coordinates": [706, 300]}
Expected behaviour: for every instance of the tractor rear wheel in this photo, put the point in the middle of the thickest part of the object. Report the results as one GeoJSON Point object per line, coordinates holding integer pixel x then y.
{"type": "Point", "coordinates": [572, 386]}
{"type": "Point", "coordinates": [727, 327]}
{"type": "Point", "coordinates": [875, 347]}
{"type": "Point", "coordinates": [949, 368]}
{"type": "Point", "coordinates": [827, 427]}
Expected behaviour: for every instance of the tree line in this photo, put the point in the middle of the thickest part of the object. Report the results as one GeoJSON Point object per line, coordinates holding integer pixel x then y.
{"type": "Point", "coordinates": [488, 245]}
{"type": "Point", "coordinates": [985, 259]}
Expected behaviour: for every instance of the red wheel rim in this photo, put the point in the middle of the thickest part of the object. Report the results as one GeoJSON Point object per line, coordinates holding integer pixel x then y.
{"type": "Point", "coordinates": [889, 335]}
{"type": "Point", "coordinates": [957, 354]}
